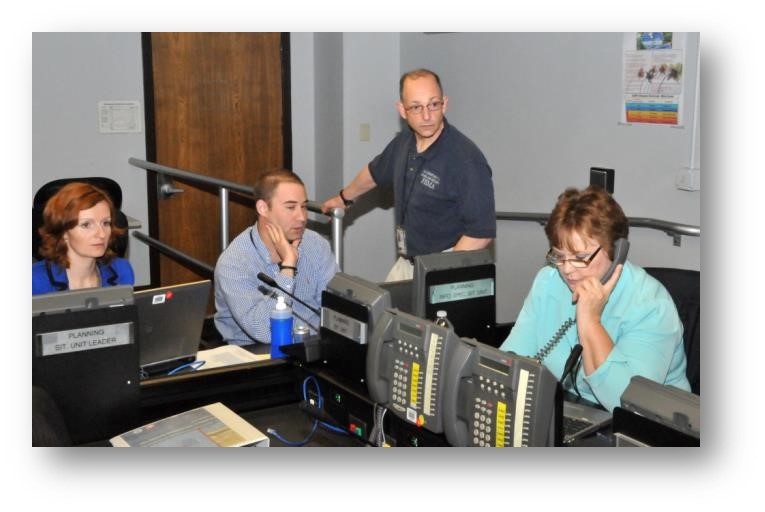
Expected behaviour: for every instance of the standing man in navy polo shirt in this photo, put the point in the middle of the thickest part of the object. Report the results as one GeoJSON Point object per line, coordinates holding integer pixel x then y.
{"type": "Point", "coordinates": [443, 192]}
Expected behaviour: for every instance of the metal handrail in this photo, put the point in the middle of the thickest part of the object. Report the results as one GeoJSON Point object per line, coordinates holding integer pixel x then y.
{"type": "Point", "coordinates": [175, 253]}
{"type": "Point", "coordinates": [673, 229]}
{"type": "Point", "coordinates": [224, 188]}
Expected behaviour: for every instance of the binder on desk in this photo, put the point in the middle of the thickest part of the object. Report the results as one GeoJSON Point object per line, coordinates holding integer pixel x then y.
{"type": "Point", "coordinates": [211, 426]}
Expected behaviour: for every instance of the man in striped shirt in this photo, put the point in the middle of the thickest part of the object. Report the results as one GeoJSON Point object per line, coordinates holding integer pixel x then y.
{"type": "Point", "coordinates": [280, 246]}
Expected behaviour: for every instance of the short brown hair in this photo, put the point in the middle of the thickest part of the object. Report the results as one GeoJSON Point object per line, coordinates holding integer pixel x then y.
{"type": "Point", "coordinates": [266, 184]}
{"type": "Point", "coordinates": [62, 212]}
{"type": "Point", "coordinates": [413, 75]}
{"type": "Point", "coordinates": [591, 212]}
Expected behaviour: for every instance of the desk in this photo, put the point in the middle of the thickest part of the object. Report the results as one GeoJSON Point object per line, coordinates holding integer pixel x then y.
{"type": "Point", "coordinates": [268, 393]}
{"type": "Point", "coordinates": [294, 425]}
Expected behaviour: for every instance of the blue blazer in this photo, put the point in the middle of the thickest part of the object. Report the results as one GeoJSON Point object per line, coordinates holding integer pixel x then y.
{"type": "Point", "coordinates": [48, 277]}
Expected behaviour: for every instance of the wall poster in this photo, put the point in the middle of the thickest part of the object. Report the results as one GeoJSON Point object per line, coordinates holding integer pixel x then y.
{"type": "Point", "coordinates": [652, 78]}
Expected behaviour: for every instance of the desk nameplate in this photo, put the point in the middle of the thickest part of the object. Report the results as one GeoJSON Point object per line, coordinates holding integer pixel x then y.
{"type": "Point", "coordinates": [464, 290]}
{"type": "Point", "coordinates": [344, 325]}
{"type": "Point", "coordinates": [87, 338]}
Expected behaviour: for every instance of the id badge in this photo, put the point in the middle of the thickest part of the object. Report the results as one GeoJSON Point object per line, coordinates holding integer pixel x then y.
{"type": "Point", "coordinates": [401, 240]}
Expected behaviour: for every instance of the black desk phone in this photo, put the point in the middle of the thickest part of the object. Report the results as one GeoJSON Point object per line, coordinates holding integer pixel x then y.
{"type": "Point", "coordinates": [498, 399]}
{"type": "Point", "coordinates": [407, 358]}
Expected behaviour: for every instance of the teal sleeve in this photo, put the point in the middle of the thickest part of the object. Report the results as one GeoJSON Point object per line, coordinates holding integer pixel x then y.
{"type": "Point", "coordinates": [646, 339]}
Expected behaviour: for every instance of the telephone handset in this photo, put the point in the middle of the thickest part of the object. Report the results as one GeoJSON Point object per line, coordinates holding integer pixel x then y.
{"type": "Point", "coordinates": [406, 364]}
{"type": "Point", "coordinates": [498, 399]}
{"type": "Point", "coordinates": [621, 248]}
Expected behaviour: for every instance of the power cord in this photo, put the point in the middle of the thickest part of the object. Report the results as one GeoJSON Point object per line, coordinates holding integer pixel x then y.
{"type": "Point", "coordinates": [377, 434]}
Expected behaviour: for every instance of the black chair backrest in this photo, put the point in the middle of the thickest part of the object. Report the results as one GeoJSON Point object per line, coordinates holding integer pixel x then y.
{"type": "Point", "coordinates": [47, 191]}
{"type": "Point", "coordinates": [685, 288]}
{"type": "Point", "coordinates": [48, 425]}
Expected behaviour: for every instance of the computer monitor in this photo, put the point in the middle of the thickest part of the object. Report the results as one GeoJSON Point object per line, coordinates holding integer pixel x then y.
{"type": "Point", "coordinates": [77, 300]}
{"type": "Point", "coordinates": [170, 320]}
{"type": "Point", "coordinates": [350, 309]}
{"type": "Point", "coordinates": [350, 306]}
{"type": "Point", "coordinates": [85, 355]}
{"type": "Point", "coordinates": [462, 283]}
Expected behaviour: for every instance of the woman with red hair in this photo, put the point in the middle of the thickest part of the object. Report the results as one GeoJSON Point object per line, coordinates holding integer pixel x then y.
{"type": "Point", "coordinates": [625, 325]}
{"type": "Point", "coordinates": [77, 243]}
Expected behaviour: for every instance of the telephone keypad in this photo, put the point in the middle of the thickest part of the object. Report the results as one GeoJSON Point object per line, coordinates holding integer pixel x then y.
{"type": "Point", "coordinates": [400, 381]}
{"type": "Point", "coordinates": [484, 411]}
{"type": "Point", "coordinates": [409, 349]}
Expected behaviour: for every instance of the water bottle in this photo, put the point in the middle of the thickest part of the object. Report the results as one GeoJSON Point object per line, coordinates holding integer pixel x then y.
{"type": "Point", "coordinates": [442, 321]}
{"type": "Point", "coordinates": [281, 327]}
{"type": "Point", "coordinates": [300, 333]}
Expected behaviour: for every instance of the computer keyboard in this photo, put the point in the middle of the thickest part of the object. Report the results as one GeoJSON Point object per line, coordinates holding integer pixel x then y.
{"type": "Point", "coordinates": [572, 426]}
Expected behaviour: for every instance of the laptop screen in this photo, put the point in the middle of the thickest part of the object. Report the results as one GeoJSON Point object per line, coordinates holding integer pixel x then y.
{"type": "Point", "coordinates": [170, 322]}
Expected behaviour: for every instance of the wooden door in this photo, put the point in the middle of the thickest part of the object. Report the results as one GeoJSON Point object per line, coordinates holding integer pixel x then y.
{"type": "Point", "coordinates": [218, 107]}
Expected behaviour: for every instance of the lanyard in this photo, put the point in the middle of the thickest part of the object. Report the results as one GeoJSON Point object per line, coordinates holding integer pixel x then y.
{"type": "Point", "coordinates": [408, 194]}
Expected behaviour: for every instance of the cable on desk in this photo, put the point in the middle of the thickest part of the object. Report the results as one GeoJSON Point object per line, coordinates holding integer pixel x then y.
{"type": "Point", "coordinates": [194, 365]}
{"type": "Point", "coordinates": [307, 438]}
{"type": "Point", "coordinates": [316, 422]}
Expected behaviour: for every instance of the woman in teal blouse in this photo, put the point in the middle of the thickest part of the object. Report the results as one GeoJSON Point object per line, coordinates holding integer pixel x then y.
{"type": "Point", "coordinates": [628, 326]}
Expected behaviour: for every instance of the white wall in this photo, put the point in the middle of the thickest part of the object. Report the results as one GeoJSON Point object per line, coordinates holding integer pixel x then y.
{"type": "Point", "coordinates": [370, 91]}
{"type": "Point", "coordinates": [71, 73]}
{"type": "Point", "coordinates": [364, 69]}
{"type": "Point", "coordinates": [304, 107]}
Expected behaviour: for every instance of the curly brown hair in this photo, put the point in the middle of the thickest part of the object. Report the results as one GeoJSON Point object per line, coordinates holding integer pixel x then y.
{"type": "Point", "coordinates": [591, 212]}
{"type": "Point", "coordinates": [62, 213]}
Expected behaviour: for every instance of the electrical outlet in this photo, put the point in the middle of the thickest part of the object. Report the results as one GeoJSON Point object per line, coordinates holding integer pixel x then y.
{"type": "Point", "coordinates": [602, 177]}
{"type": "Point", "coordinates": [364, 132]}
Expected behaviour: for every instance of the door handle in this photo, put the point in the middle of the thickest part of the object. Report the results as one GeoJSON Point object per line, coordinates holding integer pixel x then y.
{"type": "Point", "coordinates": [166, 187]}
{"type": "Point", "coordinates": [169, 190]}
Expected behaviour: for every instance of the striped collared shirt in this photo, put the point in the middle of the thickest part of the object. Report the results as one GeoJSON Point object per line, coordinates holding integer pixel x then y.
{"type": "Point", "coordinates": [243, 303]}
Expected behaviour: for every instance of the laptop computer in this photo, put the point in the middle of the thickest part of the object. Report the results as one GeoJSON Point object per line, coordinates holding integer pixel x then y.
{"type": "Point", "coordinates": [581, 420]}
{"type": "Point", "coordinates": [170, 320]}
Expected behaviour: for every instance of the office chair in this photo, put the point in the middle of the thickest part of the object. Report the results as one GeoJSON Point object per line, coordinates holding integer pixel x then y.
{"type": "Point", "coordinates": [210, 337]}
{"type": "Point", "coordinates": [48, 425]}
{"type": "Point", "coordinates": [685, 288]}
{"type": "Point", "coordinates": [47, 191]}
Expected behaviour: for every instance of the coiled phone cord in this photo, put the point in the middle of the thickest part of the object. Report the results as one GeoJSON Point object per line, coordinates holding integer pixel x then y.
{"type": "Point", "coordinates": [545, 351]}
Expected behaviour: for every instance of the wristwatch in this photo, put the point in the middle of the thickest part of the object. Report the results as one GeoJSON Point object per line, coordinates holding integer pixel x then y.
{"type": "Point", "coordinates": [346, 202]}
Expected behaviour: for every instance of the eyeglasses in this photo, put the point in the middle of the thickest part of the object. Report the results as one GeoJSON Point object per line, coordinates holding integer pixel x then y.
{"type": "Point", "coordinates": [432, 107]}
{"type": "Point", "coordinates": [554, 258]}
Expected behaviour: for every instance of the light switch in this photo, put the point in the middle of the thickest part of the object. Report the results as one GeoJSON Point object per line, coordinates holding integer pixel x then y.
{"type": "Point", "coordinates": [364, 132]}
